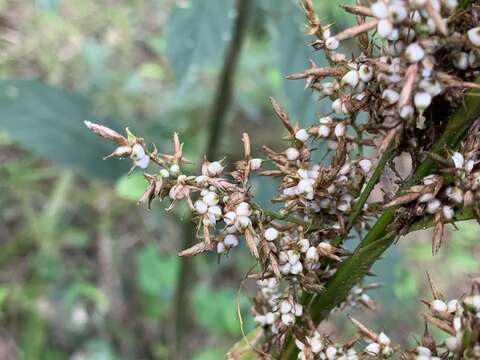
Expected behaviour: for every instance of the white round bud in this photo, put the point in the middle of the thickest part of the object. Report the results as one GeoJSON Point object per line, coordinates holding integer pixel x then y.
{"type": "Point", "coordinates": [452, 343]}
{"type": "Point", "coordinates": [231, 240]}
{"type": "Point", "coordinates": [331, 43]}
{"type": "Point", "coordinates": [447, 212]}
{"type": "Point", "coordinates": [243, 209]}
{"type": "Point", "coordinates": [474, 36]}
{"type": "Point", "coordinates": [460, 60]}
{"type": "Point", "coordinates": [292, 154]}
{"type": "Point", "coordinates": [365, 73]}
{"type": "Point", "coordinates": [350, 78]}
{"type": "Point", "coordinates": [365, 165]}
{"type": "Point", "coordinates": [390, 96]}
{"type": "Point", "coordinates": [414, 53]}
{"type": "Point", "coordinates": [210, 198]}
{"type": "Point", "coordinates": [340, 130]}
{"type": "Point", "coordinates": [256, 164]}
{"type": "Point", "coordinates": [384, 28]}
{"type": "Point", "coordinates": [422, 100]}
{"type": "Point", "coordinates": [323, 131]}
{"type": "Point", "coordinates": [302, 135]}
{"type": "Point", "coordinates": [458, 160]}
{"type": "Point", "coordinates": [143, 162]}
{"type": "Point", "coordinates": [384, 339]}
{"type": "Point", "coordinates": [221, 248]}
{"type": "Point", "coordinates": [433, 205]}
{"type": "Point", "coordinates": [379, 9]}
{"type": "Point", "coordinates": [271, 234]}
{"type": "Point", "coordinates": [373, 349]}
{"type": "Point", "coordinates": [229, 218]}
{"type": "Point", "coordinates": [438, 306]}
{"type": "Point", "coordinates": [200, 207]}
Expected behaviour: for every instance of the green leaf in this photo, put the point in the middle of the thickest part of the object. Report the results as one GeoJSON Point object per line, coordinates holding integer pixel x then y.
{"type": "Point", "coordinates": [197, 35]}
{"type": "Point", "coordinates": [156, 273]}
{"type": "Point", "coordinates": [48, 121]}
{"type": "Point", "coordinates": [131, 187]}
{"type": "Point", "coordinates": [210, 355]}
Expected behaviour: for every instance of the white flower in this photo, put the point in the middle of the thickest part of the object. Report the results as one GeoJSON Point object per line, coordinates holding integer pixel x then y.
{"type": "Point", "coordinates": [414, 53]}
{"type": "Point", "coordinates": [422, 100]}
{"type": "Point", "coordinates": [379, 9]}
{"type": "Point", "coordinates": [221, 248]}
{"type": "Point", "coordinates": [373, 348]}
{"type": "Point", "coordinates": [438, 305]}
{"type": "Point", "coordinates": [243, 209]}
{"type": "Point", "coordinates": [331, 43]}
{"type": "Point", "coordinates": [302, 135]}
{"type": "Point", "coordinates": [143, 162]}
{"type": "Point", "coordinates": [231, 240]}
{"type": "Point", "coordinates": [474, 36]}
{"type": "Point", "coordinates": [292, 154]}
{"type": "Point", "coordinates": [365, 73]}
{"type": "Point", "coordinates": [433, 205]}
{"type": "Point", "coordinates": [452, 343]}
{"type": "Point", "coordinates": [390, 96]}
{"type": "Point", "coordinates": [271, 234]}
{"type": "Point", "coordinates": [340, 130]}
{"type": "Point", "coordinates": [350, 78]}
{"type": "Point", "coordinates": [384, 28]}
{"type": "Point", "coordinates": [201, 207]}
{"type": "Point", "coordinates": [458, 160]}
{"type": "Point", "coordinates": [406, 112]}
{"type": "Point", "coordinates": [384, 339]}
{"type": "Point", "coordinates": [210, 198]}
{"type": "Point", "coordinates": [460, 60]}
{"type": "Point", "coordinates": [256, 164]}
{"type": "Point", "coordinates": [323, 131]}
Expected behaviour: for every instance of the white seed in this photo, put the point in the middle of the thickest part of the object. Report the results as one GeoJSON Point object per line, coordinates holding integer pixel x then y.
{"type": "Point", "coordinates": [390, 96]}
{"type": "Point", "coordinates": [243, 209]}
{"type": "Point", "coordinates": [340, 130]}
{"type": "Point", "coordinates": [175, 169]}
{"type": "Point", "coordinates": [452, 343]}
{"type": "Point", "coordinates": [414, 53]}
{"type": "Point", "coordinates": [269, 318]}
{"type": "Point", "coordinates": [452, 306]}
{"type": "Point", "coordinates": [231, 240]}
{"type": "Point", "coordinates": [384, 339]}
{"type": "Point", "coordinates": [350, 78]}
{"type": "Point", "coordinates": [143, 162]}
{"type": "Point", "coordinates": [298, 310]}
{"type": "Point", "coordinates": [447, 212]}
{"type": "Point", "coordinates": [312, 255]}
{"type": "Point", "coordinates": [165, 174]}
{"type": "Point", "coordinates": [365, 73]}
{"type": "Point", "coordinates": [406, 112]}
{"type": "Point", "coordinates": [438, 305]}
{"type": "Point", "coordinates": [379, 9]}
{"type": "Point", "coordinates": [292, 154]}
{"type": "Point", "coordinates": [397, 13]}
{"type": "Point", "coordinates": [331, 43]}
{"type": "Point", "coordinates": [256, 164]}
{"type": "Point", "coordinates": [337, 106]}
{"type": "Point", "coordinates": [417, 4]}
{"type": "Point", "coordinates": [243, 222]}
{"type": "Point", "coordinates": [271, 234]}
{"type": "Point", "coordinates": [138, 152]}
{"type": "Point", "coordinates": [210, 198]}
{"type": "Point", "coordinates": [474, 36]}
{"type": "Point", "coordinates": [288, 319]}
{"type": "Point", "coordinates": [323, 131]}
{"type": "Point", "coordinates": [297, 268]}
{"type": "Point", "coordinates": [201, 207]}
{"type": "Point", "coordinates": [460, 60]}
{"type": "Point", "coordinates": [422, 100]}
{"type": "Point", "coordinates": [458, 160]}
{"type": "Point", "coordinates": [221, 248]}
{"type": "Point", "coordinates": [316, 345]}
{"type": "Point", "coordinates": [433, 206]}
{"type": "Point", "coordinates": [285, 307]}
{"type": "Point", "coordinates": [331, 352]}
{"type": "Point", "coordinates": [215, 211]}
{"type": "Point", "coordinates": [373, 348]}
{"type": "Point", "coordinates": [384, 28]}
{"type": "Point", "coordinates": [302, 135]}
{"type": "Point", "coordinates": [229, 218]}
{"type": "Point", "coordinates": [422, 350]}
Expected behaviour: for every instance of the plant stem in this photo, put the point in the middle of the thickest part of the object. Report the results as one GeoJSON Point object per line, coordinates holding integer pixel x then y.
{"type": "Point", "coordinates": [220, 107]}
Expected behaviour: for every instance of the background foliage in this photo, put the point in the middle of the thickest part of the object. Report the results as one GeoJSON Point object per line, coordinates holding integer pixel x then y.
{"type": "Point", "coordinates": [85, 273]}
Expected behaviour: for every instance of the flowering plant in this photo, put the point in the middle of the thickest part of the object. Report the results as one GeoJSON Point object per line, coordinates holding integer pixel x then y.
{"type": "Point", "coordinates": [414, 82]}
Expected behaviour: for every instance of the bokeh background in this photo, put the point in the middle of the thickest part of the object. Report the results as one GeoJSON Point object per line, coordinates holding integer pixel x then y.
{"type": "Point", "coordinates": [87, 274]}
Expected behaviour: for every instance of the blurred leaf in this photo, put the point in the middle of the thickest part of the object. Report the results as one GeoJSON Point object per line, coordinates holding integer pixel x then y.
{"type": "Point", "coordinates": [3, 296]}
{"type": "Point", "coordinates": [197, 35]}
{"type": "Point", "coordinates": [220, 316]}
{"type": "Point", "coordinates": [156, 273]}
{"type": "Point", "coordinates": [49, 121]}
{"type": "Point", "coordinates": [210, 355]}
{"type": "Point", "coordinates": [100, 350]}
{"type": "Point", "coordinates": [293, 56]}
{"type": "Point", "coordinates": [131, 187]}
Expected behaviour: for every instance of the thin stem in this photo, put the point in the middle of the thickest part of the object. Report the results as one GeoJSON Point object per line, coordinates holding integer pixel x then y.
{"type": "Point", "coordinates": [220, 107]}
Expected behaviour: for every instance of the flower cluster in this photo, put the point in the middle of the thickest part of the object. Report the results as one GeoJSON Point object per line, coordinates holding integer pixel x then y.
{"type": "Point", "coordinates": [394, 97]}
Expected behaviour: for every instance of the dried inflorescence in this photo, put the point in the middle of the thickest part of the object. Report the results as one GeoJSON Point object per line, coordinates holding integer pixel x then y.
{"type": "Point", "coordinates": [415, 60]}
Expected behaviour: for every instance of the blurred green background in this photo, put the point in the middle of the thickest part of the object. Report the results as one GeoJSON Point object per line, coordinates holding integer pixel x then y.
{"type": "Point", "coordinates": [87, 274]}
